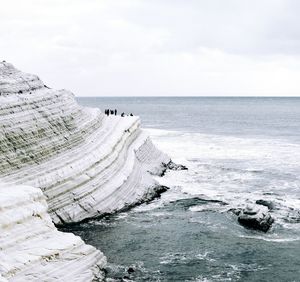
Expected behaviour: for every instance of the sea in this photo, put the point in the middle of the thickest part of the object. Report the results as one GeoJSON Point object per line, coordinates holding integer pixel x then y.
{"type": "Point", "coordinates": [237, 150]}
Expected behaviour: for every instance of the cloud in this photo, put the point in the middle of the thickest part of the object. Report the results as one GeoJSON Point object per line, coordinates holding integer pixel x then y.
{"type": "Point", "coordinates": [169, 47]}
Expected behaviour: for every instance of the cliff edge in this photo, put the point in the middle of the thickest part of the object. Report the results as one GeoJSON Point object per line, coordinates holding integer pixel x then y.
{"type": "Point", "coordinates": [85, 163]}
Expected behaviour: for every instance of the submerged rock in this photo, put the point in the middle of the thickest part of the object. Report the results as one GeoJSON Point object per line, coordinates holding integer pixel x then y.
{"type": "Point", "coordinates": [130, 270]}
{"type": "Point", "coordinates": [195, 201]}
{"type": "Point", "coordinates": [270, 205]}
{"type": "Point", "coordinates": [254, 218]}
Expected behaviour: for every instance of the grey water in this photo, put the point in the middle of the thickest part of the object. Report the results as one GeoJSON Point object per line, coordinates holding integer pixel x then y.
{"type": "Point", "coordinates": [250, 116]}
{"type": "Point", "coordinates": [238, 150]}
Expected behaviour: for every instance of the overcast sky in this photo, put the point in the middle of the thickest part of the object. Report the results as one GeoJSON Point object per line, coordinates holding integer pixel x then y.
{"type": "Point", "coordinates": [156, 47]}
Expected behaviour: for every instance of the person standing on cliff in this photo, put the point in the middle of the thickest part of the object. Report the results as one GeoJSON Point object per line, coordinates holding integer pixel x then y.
{"type": "Point", "coordinates": [115, 112]}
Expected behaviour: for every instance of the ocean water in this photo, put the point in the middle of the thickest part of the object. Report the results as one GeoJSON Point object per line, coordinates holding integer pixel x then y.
{"type": "Point", "coordinates": [238, 150]}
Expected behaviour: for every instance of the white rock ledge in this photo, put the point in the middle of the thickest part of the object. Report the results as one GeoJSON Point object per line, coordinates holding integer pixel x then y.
{"type": "Point", "coordinates": [85, 163]}
{"type": "Point", "coordinates": [31, 247]}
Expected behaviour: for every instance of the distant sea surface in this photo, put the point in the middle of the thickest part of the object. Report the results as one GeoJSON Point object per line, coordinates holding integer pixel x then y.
{"type": "Point", "coordinates": [238, 150]}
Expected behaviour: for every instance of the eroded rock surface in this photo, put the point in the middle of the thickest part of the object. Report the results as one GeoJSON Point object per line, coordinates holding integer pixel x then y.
{"type": "Point", "coordinates": [85, 163]}
{"type": "Point", "coordinates": [31, 248]}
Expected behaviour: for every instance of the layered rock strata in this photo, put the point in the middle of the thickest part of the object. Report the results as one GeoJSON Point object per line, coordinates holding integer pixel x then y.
{"type": "Point", "coordinates": [31, 248]}
{"type": "Point", "coordinates": [85, 163]}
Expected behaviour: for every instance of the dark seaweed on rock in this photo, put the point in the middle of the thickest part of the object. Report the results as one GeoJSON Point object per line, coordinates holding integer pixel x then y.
{"type": "Point", "coordinates": [190, 202]}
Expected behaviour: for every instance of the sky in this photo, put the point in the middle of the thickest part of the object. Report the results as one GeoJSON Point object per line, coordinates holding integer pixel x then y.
{"type": "Point", "coordinates": [156, 47]}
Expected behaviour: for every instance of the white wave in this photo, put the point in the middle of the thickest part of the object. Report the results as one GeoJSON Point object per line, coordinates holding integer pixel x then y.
{"type": "Point", "coordinates": [270, 239]}
{"type": "Point", "coordinates": [235, 170]}
{"type": "Point", "coordinates": [205, 256]}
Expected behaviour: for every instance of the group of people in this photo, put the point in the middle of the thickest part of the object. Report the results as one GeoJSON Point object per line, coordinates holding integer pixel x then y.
{"type": "Point", "coordinates": [114, 112]}
{"type": "Point", "coordinates": [110, 112]}
{"type": "Point", "coordinates": [123, 115]}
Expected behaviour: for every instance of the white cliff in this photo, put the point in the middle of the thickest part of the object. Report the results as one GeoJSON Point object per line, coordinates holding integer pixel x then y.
{"type": "Point", "coordinates": [85, 163]}
{"type": "Point", "coordinates": [31, 248]}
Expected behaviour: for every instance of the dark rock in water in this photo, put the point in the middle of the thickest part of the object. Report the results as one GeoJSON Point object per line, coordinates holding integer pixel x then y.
{"type": "Point", "coordinates": [130, 270]}
{"type": "Point", "coordinates": [195, 201]}
{"type": "Point", "coordinates": [235, 211]}
{"type": "Point", "coordinates": [212, 201]}
{"type": "Point", "coordinates": [249, 212]}
{"type": "Point", "coordinates": [262, 224]}
{"type": "Point", "coordinates": [154, 193]}
{"type": "Point", "coordinates": [151, 194]}
{"type": "Point", "coordinates": [268, 204]}
{"type": "Point", "coordinates": [255, 219]}
{"type": "Point", "coordinates": [172, 166]}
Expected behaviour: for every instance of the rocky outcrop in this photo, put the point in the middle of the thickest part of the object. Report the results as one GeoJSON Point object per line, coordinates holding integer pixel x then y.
{"type": "Point", "coordinates": [85, 163]}
{"type": "Point", "coordinates": [270, 205]}
{"type": "Point", "coordinates": [31, 248]}
{"type": "Point", "coordinates": [255, 218]}
{"type": "Point", "coordinates": [173, 166]}
{"type": "Point", "coordinates": [170, 166]}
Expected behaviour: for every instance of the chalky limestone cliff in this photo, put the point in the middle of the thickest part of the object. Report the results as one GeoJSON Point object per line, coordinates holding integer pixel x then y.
{"type": "Point", "coordinates": [83, 163]}
{"type": "Point", "coordinates": [31, 248]}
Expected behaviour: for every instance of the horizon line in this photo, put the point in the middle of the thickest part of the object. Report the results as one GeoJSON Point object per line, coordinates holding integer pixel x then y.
{"type": "Point", "coordinates": [187, 96]}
